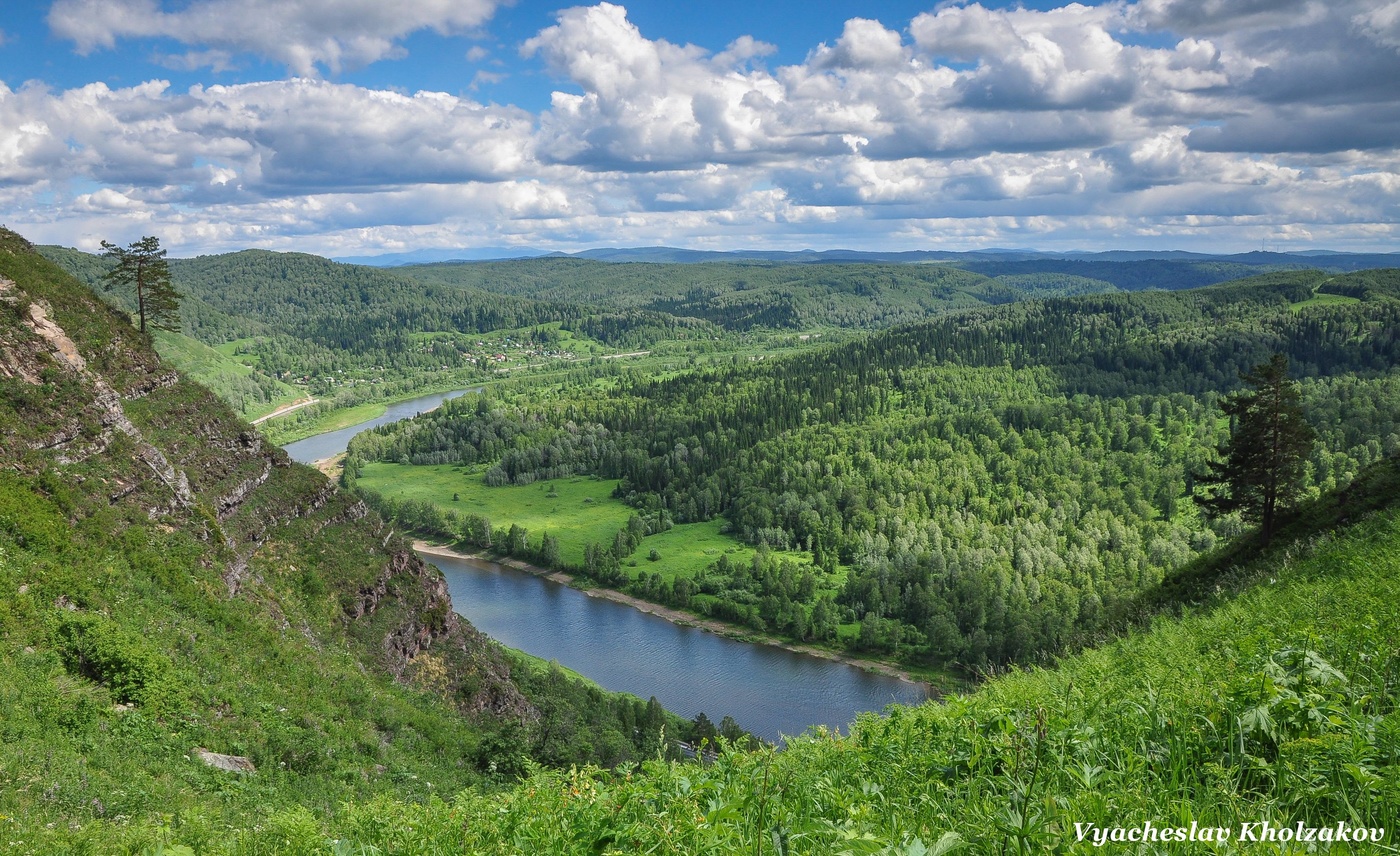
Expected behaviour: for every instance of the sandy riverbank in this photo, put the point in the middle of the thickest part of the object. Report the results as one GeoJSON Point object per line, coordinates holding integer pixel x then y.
{"type": "Point", "coordinates": [330, 466]}
{"type": "Point", "coordinates": [676, 616]}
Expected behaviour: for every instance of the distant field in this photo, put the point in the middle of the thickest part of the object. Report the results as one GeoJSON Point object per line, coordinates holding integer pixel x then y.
{"type": "Point", "coordinates": [1323, 300]}
{"type": "Point", "coordinates": [577, 511]}
{"type": "Point", "coordinates": [689, 548]}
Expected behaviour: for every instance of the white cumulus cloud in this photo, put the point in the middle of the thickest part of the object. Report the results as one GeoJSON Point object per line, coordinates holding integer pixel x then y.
{"type": "Point", "coordinates": [301, 34]}
{"type": "Point", "coordinates": [1158, 120]}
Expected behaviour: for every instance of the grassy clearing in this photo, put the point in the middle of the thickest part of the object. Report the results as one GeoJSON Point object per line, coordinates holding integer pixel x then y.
{"type": "Point", "coordinates": [232, 380]}
{"type": "Point", "coordinates": [195, 357]}
{"type": "Point", "coordinates": [689, 548]}
{"type": "Point", "coordinates": [577, 511]}
{"type": "Point", "coordinates": [1323, 300]}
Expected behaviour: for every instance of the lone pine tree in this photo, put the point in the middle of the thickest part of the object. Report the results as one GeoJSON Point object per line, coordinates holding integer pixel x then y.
{"type": "Point", "coordinates": [1261, 464]}
{"type": "Point", "coordinates": [141, 265]}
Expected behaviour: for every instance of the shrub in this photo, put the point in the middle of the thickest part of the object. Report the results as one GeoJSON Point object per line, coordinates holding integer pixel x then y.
{"type": "Point", "coordinates": [101, 651]}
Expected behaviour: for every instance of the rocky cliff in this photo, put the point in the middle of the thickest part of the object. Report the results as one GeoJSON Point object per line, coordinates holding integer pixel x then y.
{"type": "Point", "coordinates": [86, 405]}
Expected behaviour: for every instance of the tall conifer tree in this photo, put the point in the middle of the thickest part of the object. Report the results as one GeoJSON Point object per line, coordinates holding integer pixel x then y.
{"type": "Point", "coordinates": [1261, 465]}
{"type": "Point", "coordinates": [141, 265]}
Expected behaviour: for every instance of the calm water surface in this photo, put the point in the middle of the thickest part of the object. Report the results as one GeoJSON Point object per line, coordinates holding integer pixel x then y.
{"type": "Point", "coordinates": [332, 443]}
{"type": "Point", "coordinates": [767, 690]}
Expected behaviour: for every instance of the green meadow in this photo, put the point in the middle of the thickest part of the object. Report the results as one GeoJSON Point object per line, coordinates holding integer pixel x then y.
{"type": "Point", "coordinates": [1322, 299]}
{"type": "Point", "coordinates": [225, 374]}
{"type": "Point", "coordinates": [687, 549]}
{"type": "Point", "coordinates": [577, 511]}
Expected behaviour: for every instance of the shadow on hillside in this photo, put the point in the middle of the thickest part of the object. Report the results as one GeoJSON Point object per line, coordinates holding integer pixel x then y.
{"type": "Point", "coordinates": [1221, 575]}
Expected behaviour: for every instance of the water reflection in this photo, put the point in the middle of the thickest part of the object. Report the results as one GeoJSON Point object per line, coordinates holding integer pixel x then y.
{"type": "Point", "coordinates": [769, 691]}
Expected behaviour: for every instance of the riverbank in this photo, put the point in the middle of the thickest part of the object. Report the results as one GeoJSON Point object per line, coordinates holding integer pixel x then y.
{"type": "Point", "coordinates": [331, 466]}
{"type": "Point", "coordinates": [686, 619]}
{"type": "Point", "coordinates": [284, 433]}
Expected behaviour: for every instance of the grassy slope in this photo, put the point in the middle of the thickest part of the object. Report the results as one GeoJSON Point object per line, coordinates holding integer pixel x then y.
{"type": "Point", "coordinates": [1280, 705]}
{"type": "Point", "coordinates": [227, 676]}
{"type": "Point", "coordinates": [121, 648]}
{"type": "Point", "coordinates": [224, 375]}
{"type": "Point", "coordinates": [124, 650]}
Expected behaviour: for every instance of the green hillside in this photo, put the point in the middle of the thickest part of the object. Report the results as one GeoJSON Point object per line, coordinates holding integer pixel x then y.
{"type": "Point", "coordinates": [250, 392]}
{"type": "Point", "coordinates": [174, 590]}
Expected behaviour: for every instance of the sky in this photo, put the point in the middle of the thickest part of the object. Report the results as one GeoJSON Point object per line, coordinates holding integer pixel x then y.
{"type": "Point", "coordinates": [354, 127]}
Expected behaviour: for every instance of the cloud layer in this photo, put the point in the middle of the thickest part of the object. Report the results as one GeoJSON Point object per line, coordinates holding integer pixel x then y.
{"type": "Point", "coordinates": [1165, 122]}
{"type": "Point", "coordinates": [303, 35]}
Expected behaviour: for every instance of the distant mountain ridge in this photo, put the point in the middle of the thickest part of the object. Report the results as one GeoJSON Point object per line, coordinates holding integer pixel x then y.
{"type": "Point", "coordinates": [1327, 259]}
{"type": "Point", "coordinates": [428, 256]}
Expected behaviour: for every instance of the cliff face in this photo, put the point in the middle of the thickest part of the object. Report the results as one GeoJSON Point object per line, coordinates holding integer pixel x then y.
{"type": "Point", "coordinates": [133, 448]}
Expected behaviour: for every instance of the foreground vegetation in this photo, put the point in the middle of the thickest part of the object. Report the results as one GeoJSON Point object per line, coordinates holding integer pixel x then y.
{"type": "Point", "coordinates": [1275, 707]}
{"type": "Point", "coordinates": [1278, 707]}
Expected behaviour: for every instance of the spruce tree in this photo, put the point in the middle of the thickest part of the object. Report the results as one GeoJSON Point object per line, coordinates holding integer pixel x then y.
{"type": "Point", "coordinates": [1261, 464]}
{"type": "Point", "coordinates": [141, 265]}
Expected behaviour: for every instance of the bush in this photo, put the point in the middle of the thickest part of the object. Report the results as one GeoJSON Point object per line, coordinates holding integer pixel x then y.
{"type": "Point", "coordinates": [99, 650]}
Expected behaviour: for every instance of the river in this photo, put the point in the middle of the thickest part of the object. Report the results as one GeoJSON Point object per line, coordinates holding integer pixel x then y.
{"type": "Point", "coordinates": [769, 691]}
{"type": "Point", "coordinates": [332, 443]}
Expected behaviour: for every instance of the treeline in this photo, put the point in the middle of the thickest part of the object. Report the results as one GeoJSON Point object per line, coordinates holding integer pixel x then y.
{"type": "Point", "coordinates": [1135, 275]}
{"type": "Point", "coordinates": [303, 316]}
{"type": "Point", "coordinates": [581, 724]}
{"type": "Point", "coordinates": [738, 296]}
{"type": "Point", "coordinates": [978, 489]}
{"type": "Point", "coordinates": [746, 295]}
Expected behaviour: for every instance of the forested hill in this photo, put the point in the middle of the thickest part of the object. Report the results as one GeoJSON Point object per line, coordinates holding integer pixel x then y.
{"type": "Point", "coordinates": [741, 295]}
{"type": "Point", "coordinates": [305, 313]}
{"type": "Point", "coordinates": [173, 586]}
{"type": "Point", "coordinates": [980, 488]}
{"type": "Point", "coordinates": [1191, 342]}
{"type": "Point", "coordinates": [1135, 274]}
{"type": "Point", "coordinates": [738, 296]}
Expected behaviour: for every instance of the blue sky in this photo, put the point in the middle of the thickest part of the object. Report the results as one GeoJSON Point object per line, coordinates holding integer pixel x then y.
{"type": "Point", "coordinates": [348, 127]}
